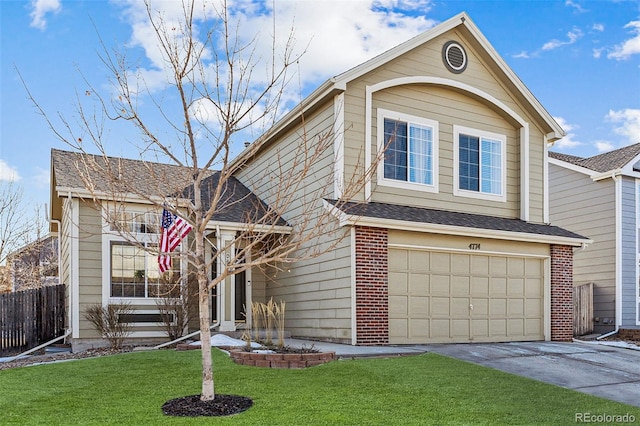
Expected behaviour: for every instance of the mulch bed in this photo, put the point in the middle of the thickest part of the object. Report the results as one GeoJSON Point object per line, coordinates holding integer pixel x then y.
{"type": "Point", "coordinates": [61, 356]}
{"type": "Point", "coordinates": [193, 406]}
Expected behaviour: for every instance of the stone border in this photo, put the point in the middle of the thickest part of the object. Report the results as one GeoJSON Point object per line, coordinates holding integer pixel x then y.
{"type": "Point", "coordinates": [281, 360]}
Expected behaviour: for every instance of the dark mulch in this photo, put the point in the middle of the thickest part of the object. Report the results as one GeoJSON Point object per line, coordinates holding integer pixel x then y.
{"type": "Point", "coordinates": [193, 406]}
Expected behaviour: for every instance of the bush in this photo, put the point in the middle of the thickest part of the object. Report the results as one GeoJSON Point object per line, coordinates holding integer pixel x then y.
{"type": "Point", "coordinates": [107, 321]}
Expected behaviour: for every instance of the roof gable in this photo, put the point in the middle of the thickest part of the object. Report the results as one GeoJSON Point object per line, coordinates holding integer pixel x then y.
{"type": "Point", "coordinates": [461, 23]}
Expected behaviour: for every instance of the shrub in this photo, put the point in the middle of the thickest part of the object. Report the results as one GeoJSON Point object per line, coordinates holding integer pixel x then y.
{"type": "Point", "coordinates": [107, 321]}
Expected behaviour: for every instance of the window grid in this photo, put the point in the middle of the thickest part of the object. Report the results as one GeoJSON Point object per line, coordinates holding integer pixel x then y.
{"type": "Point", "coordinates": [409, 152]}
{"type": "Point", "coordinates": [480, 164]}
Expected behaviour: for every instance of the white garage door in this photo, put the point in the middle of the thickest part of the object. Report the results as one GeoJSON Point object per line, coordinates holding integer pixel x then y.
{"type": "Point", "coordinates": [457, 297]}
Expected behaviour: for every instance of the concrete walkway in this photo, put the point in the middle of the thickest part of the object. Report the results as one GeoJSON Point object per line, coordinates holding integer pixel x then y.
{"type": "Point", "coordinates": [606, 371]}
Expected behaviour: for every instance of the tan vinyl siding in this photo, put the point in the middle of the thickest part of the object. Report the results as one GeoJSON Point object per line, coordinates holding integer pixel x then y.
{"type": "Point", "coordinates": [448, 107]}
{"type": "Point", "coordinates": [90, 265]}
{"type": "Point", "coordinates": [65, 254]}
{"type": "Point", "coordinates": [588, 208]}
{"type": "Point", "coordinates": [316, 290]}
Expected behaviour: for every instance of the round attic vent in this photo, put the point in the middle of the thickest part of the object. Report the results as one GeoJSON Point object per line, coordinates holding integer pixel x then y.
{"type": "Point", "coordinates": [454, 57]}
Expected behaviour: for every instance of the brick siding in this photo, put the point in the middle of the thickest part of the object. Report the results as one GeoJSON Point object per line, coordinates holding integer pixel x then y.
{"type": "Point", "coordinates": [372, 286]}
{"type": "Point", "coordinates": [561, 293]}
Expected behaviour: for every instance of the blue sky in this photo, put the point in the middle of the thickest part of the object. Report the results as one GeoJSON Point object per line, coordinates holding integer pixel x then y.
{"type": "Point", "coordinates": [581, 59]}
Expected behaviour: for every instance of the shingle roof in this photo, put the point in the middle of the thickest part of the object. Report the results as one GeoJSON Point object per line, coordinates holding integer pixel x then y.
{"type": "Point", "coordinates": [608, 161]}
{"type": "Point", "coordinates": [79, 171]}
{"type": "Point", "coordinates": [443, 217]}
{"type": "Point", "coordinates": [237, 204]}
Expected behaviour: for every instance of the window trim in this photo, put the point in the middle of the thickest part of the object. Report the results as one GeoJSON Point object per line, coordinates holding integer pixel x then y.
{"type": "Point", "coordinates": [457, 191]}
{"type": "Point", "coordinates": [409, 119]}
{"type": "Point", "coordinates": [110, 236]}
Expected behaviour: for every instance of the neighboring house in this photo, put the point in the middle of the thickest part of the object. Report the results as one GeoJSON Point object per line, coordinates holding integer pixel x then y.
{"type": "Point", "coordinates": [448, 241]}
{"type": "Point", "coordinates": [34, 265]}
{"type": "Point", "coordinates": [600, 196]}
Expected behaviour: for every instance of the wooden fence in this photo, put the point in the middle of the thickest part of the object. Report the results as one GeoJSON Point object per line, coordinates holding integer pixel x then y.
{"type": "Point", "coordinates": [31, 317]}
{"type": "Point", "coordinates": [583, 309]}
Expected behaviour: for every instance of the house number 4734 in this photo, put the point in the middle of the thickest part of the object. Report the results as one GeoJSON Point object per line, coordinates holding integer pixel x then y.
{"type": "Point", "coordinates": [474, 246]}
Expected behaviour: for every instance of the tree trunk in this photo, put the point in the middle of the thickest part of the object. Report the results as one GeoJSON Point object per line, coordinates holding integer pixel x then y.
{"type": "Point", "coordinates": [208, 392]}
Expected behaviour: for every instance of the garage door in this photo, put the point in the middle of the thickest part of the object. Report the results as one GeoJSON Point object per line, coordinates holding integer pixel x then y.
{"type": "Point", "coordinates": [458, 297]}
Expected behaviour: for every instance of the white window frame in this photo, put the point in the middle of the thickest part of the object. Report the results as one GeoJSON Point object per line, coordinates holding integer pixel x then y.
{"type": "Point", "coordinates": [409, 119]}
{"type": "Point", "coordinates": [457, 191]}
{"type": "Point", "coordinates": [109, 236]}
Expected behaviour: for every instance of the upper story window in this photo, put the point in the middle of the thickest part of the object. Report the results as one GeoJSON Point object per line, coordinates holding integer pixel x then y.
{"type": "Point", "coordinates": [410, 147]}
{"type": "Point", "coordinates": [479, 164]}
{"type": "Point", "coordinates": [135, 222]}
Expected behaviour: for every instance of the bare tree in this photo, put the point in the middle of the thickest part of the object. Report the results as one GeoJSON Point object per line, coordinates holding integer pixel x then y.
{"type": "Point", "coordinates": [25, 252]}
{"type": "Point", "coordinates": [211, 74]}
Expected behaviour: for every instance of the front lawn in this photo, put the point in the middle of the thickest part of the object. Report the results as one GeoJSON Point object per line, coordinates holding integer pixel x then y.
{"type": "Point", "coordinates": [427, 389]}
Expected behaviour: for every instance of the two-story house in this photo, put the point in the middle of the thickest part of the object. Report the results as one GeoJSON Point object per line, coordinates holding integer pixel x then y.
{"type": "Point", "coordinates": [448, 240]}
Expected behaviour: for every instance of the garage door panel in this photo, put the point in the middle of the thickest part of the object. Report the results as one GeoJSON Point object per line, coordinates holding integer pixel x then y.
{"type": "Point", "coordinates": [479, 286]}
{"type": "Point", "coordinates": [480, 307]}
{"type": "Point", "coordinates": [459, 307]}
{"type": "Point", "coordinates": [440, 307]}
{"type": "Point", "coordinates": [515, 266]}
{"type": "Point", "coordinates": [498, 266]}
{"type": "Point", "coordinates": [419, 261]}
{"type": "Point", "coordinates": [418, 284]}
{"type": "Point", "coordinates": [515, 327]}
{"type": "Point", "coordinates": [479, 265]}
{"type": "Point", "coordinates": [440, 284]}
{"type": "Point", "coordinates": [515, 287]}
{"type": "Point", "coordinates": [440, 262]}
{"type": "Point", "coordinates": [515, 308]}
{"type": "Point", "coordinates": [479, 328]}
{"type": "Point", "coordinates": [498, 286]}
{"type": "Point", "coordinates": [460, 329]}
{"type": "Point", "coordinates": [419, 329]}
{"type": "Point", "coordinates": [439, 329]}
{"type": "Point", "coordinates": [533, 326]}
{"type": "Point", "coordinates": [460, 285]}
{"type": "Point", "coordinates": [398, 282]}
{"type": "Point", "coordinates": [460, 264]}
{"type": "Point", "coordinates": [458, 297]}
{"type": "Point", "coordinates": [533, 307]}
{"type": "Point", "coordinates": [399, 306]}
{"type": "Point", "coordinates": [399, 328]}
{"type": "Point", "coordinates": [533, 287]}
{"type": "Point", "coordinates": [498, 307]}
{"type": "Point", "coordinates": [419, 307]}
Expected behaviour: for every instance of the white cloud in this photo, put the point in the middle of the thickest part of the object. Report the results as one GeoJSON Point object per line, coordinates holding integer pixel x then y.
{"type": "Point", "coordinates": [524, 55]}
{"type": "Point", "coordinates": [332, 43]}
{"type": "Point", "coordinates": [569, 140]}
{"type": "Point", "coordinates": [597, 53]}
{"type": "Point", "coordinates": [604, 146]}
{"type": "Point", "coordinates": [629, 47]}
{"type": "Point", "coordinates": [627, 124]}
{"type": "Point", "coordinates": [598, 27]}
{"type": "Point", "coordinates": [41, 178]}
{"type": "Point", "coordinates": [8, 173]}
{"type": "Point", "coordinates": [40, 8]}
{"type": "Point", "coordinates": [575, 6]}
{"type": "Point", "coordinates": [572, 36]}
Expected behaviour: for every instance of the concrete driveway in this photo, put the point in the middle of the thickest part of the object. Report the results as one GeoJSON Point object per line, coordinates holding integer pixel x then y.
{"type": "Point", "coordinates": [605, 371]}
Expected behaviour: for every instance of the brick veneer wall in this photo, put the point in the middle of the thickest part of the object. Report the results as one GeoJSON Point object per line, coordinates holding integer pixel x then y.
{"type": "Point", "coordinates": [372, 286]}
{"type": "Point", "coordinates": [561, 293]}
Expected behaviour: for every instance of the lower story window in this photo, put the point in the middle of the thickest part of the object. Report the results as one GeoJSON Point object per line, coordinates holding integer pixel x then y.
{"type": "Point", "coordinates": [135, 274]}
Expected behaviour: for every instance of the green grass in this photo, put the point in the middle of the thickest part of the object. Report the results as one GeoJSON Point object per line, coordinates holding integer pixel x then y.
{"type": "Point", "coordinates": [426, 389]}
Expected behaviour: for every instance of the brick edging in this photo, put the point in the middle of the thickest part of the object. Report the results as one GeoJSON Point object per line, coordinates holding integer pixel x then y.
{"type": "Point", "coordinates": [281, 360]}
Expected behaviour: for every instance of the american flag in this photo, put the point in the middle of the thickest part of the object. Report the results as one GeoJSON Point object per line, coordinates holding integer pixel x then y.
{"type": "Point", "coordinates": [174, 229]}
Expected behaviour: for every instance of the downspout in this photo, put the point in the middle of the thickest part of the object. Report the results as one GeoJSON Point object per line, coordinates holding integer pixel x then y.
{"type": "Point", "coordinates": [618, 200]}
